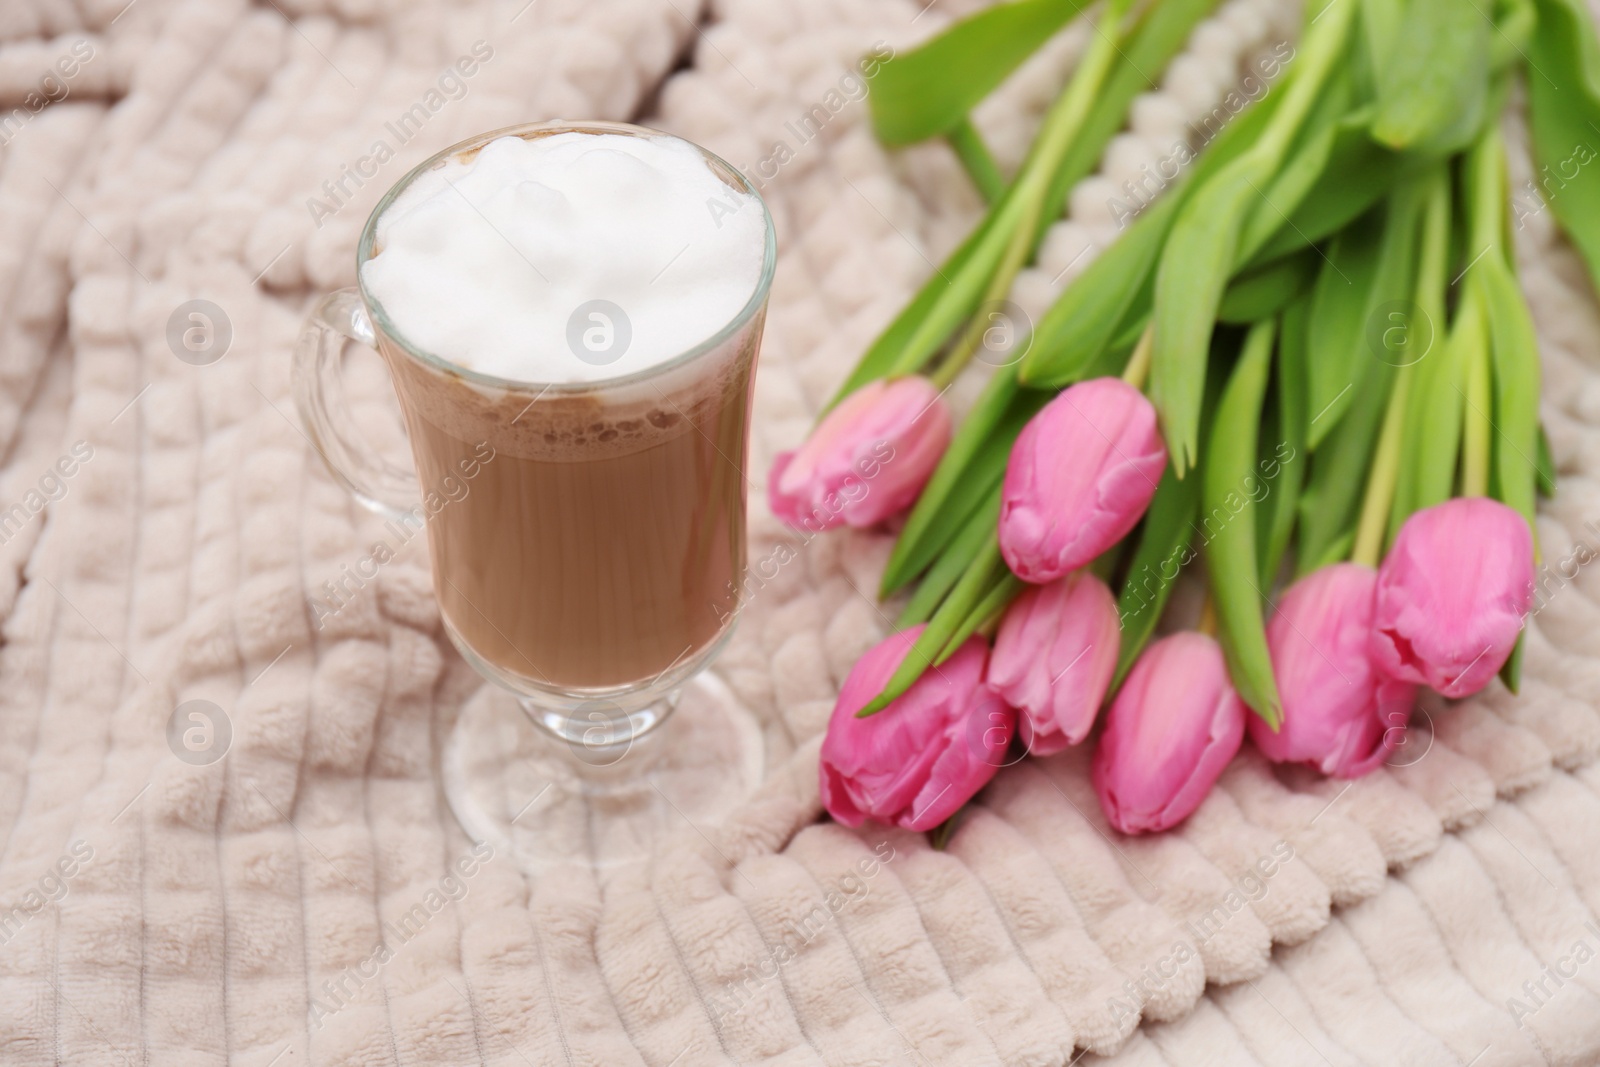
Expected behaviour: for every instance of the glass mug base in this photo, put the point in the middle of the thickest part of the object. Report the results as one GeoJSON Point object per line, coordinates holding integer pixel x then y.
{"type": "Point", "coordinates": [527, 766]}
{"type": "Point", "coordinates": [548, 803]}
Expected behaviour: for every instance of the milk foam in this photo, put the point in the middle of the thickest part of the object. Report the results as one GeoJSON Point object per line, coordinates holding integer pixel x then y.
{"type": "Point", "coordinates": [495, 263]}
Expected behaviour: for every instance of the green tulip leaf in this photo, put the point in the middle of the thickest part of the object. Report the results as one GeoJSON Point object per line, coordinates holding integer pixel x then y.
{"type": "Point", "coordinates": [1511, 670]}
{"type": "Point", "coordinates": [1004, 587]}
{"type": "Point", "coordinates": [1190, 281]}
{"type": "Point", "coordinates": [1423, 461]}
{"type": "Point", "coordinates": [1118, 286]}
{"type": "Point", "coordinates": [1380, 23]}
{"type": "Point", "coordinates": [1431, 437]}
{"type": "Point", "coordinates": [1308, 160]}
{"type": "Point", "coordinates": [1164, 549]}
{"type": "Point", "coordinates": [1344, 450]}
{"type": "Point", "coordinates": [981, 167]}
{"type": "Point", "coordinates": [1546, 463]}
{"type": "Point", "coordinates": [1262, 292]}
{"type": "Point", "coordinates": [955, 290]}
{"type": "Point", "coordinates": [952, 562]}
{"type": "Point", "coordinates": [1359, 174]}
{"type": "Point", "coordinates": [1514, 26]}
{"type": "Point", "coordinates": [1515, 351]}
{"type": "Point", "coordinates": [1167, 534]}
{"type": "Point", "coordinates": [1205, 242]}
{"type": "Point", "coordinates": [1081, 323]}
{"type": "Point", "coordinates": [888, 350]}
{"type": "Point", "coordinates": [1338, 477]}
{"type": "Point", "coordinates": [1435, 99]}
{"type": "Point", "coordinates": [1231, 552]}
{"type": "Point", "coordinates": [931, 89]}
{"type": "Point", "coordinates": [1149, 48]}
{"type": "Point", "coordinates": [1285, 454]}
{"type": "Point", "coordinates": [975, 584]}
{"type": "Point", "coordinates": [1564, 114]}
{"type": "Point", "coordinates": [1337, 352]}
{"type": "Point", "coordinates": [972, 465]}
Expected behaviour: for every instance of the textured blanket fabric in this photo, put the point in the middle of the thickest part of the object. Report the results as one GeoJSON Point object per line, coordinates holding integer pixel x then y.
{"type": "Point", "coordinates": [166, 534]}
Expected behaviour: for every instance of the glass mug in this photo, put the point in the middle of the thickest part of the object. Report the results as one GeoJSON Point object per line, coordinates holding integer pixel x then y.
{"type": "Point", "coordinates": [587, 540]}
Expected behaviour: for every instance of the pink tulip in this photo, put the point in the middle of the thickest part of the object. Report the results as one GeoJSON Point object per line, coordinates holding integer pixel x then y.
{"type": "Point", "coordinates": [1172, 729]}
{"type": "Point", "coordinates": [1054, 657]}
{"type": "Point", "coordinates": [1452, 595]}
{"type": "Point", "coordinates": [1339, 711]}
{"type": "Point", "coordinates": [867, 460]}
{"type": "Point", "coordinates": [926, 754]}
{"type": "Point", "coordinates": [1081, 474]}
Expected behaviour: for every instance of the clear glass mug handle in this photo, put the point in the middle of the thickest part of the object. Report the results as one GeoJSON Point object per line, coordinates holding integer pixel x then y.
{"type": "Point", "coordinates": [378, 484]}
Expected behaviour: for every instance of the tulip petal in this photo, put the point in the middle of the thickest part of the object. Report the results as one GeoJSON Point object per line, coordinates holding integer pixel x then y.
{"type": "Point", "coordinates": [927, 752]}
{"type": "Point", "coordinates": [1053, 659]}
{"type": "Point", "coordinates": [1365, 752]}
{"type": "Point", "coordinates": [866, 461]}
{"type": "Point", "coordinates": [1222, 742]}
{"type": "Point", "coordinates": [1170, 732]}
{"type": "Point", "coordinates": [1081, 475]}
{"type": "Point", "coordinates": [837, 799]}
{"type": "Point", "coordinates": [1452, 595]}
{"type": "Point", "coordinates": [971, 758]}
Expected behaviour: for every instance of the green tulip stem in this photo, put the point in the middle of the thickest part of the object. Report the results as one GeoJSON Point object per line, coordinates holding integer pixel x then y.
{"type": "Point", "coordinates": [968, 144]}
{"type": "Point", "coordinates": [945, 373]}
{"type": "Point", "coordinates": [990, 610]}
{"type": "Point", "coordinates": [1487, 230]}
{"type": "Point", "coordinates": [939, 837]}
{"type": "Point", "coordinates": [1138, 368]}
{"type": "Point", "coordinates": [1476, 445]}
{"type": "Point", "coordinates": [1061, 125]}
{"type": "Point", "coordinates": [940, 639]}
{"type": "Point", "coordinates": [1384, 476]}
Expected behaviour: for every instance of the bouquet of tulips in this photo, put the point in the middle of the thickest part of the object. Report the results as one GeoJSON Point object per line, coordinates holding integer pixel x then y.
{"type": "Point", "coordinates": [1308, 365]}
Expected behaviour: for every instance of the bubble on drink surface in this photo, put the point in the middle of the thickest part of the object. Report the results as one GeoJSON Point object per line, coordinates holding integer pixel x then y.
{"type": "Point", "coordinates": [598, 332]}
{"type": "Point", "coordinates": [199, 732]}
{"type": "Point", "coordinates": [604, 733]}
{"type": "Point", "coordinates": [1400, 333]}
{"type": "Point", "coordinates": [1007, 333]}
{"type": "Point", "coordinates": [199, 332]}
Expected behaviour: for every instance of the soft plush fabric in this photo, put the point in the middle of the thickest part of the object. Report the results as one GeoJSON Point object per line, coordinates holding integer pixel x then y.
{"type": "Point", "coordinates": [306, 899]}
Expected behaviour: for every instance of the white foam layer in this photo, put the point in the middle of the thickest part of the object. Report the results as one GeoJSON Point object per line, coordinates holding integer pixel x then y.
{"type": "Point", "coordinates": [494, 264]}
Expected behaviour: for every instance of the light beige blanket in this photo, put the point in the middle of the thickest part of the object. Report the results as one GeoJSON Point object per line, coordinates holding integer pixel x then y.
{"type": "Point", "coordinates": [165, 530]}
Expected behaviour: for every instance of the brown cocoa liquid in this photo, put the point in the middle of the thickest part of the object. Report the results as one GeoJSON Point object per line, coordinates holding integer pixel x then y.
{"type": "Point", "coordinates": [602, 542]}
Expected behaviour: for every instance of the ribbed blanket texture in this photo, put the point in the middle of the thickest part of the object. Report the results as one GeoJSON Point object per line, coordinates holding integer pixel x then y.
{"type": "Point", "coordinates": [166, 533]}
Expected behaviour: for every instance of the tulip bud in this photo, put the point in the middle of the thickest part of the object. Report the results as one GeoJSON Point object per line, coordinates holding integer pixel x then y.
{"type": "Point", "coordinates": [1053, 659]}
{"type": "Point", "coordinates": [1081, 474]}
{"type": "Point", "coordinates": [925, 754]}
{"type": "Point", "coordinates": [1339, 711]}
{"type": "Point", "coordinates": [867, 460]}
{"type": "Point", "coordinates": [1170, 733]}
{"type": "Point", "coordinates": [1452, 595]}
